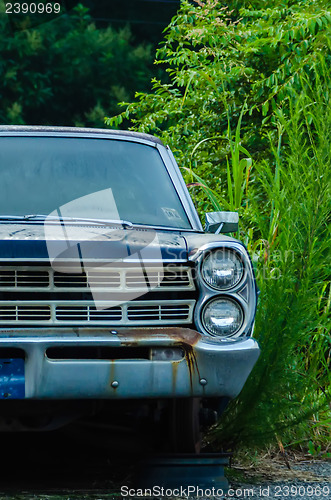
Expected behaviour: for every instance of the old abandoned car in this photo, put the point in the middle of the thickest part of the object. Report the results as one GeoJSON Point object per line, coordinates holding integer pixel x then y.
{"type": "Point", "coordinates": [115, 303]}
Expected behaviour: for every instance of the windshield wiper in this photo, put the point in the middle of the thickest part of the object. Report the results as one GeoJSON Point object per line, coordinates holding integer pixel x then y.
{"type": "Point", "coordinates": [60, 218]}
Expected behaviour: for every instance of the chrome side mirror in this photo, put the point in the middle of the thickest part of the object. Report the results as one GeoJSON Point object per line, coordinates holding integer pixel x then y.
{"type": "Point", "coordinates": [222, 222]}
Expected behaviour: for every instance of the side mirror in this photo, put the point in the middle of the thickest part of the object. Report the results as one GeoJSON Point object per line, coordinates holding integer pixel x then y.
{"type": "Point", "coordinates": [222, 222]}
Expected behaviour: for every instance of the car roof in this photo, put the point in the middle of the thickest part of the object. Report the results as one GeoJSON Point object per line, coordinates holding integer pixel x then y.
{"type": "Point", "coordinates": [80, 131]}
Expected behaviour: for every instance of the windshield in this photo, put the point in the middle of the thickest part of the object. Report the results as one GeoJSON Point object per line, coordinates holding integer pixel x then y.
{"type": "Point", "coordinates": [88, 178]}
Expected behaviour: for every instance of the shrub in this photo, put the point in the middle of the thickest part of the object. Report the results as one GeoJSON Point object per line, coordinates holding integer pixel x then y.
{"type": "Point", "coordinates": [67, 71]}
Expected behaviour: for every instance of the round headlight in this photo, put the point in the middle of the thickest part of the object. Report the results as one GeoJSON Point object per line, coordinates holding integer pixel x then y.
{"type": "Point", "coordinates": [222, 317]}
{"type": "Point", "coordinates": [222, 269]}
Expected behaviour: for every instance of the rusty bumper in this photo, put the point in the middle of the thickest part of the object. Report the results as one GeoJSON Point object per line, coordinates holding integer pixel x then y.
{"type": "Point", "coordinates": [207, 368]}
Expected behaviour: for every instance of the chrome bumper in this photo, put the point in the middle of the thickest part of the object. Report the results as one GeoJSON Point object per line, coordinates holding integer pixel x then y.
{"type": "Point", "coordinates": [208, 369]}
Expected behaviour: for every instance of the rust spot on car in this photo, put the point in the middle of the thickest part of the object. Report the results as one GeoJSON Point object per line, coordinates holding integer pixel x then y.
{"type": "Point", "coordinates": [130, 344]}
{"type": "Point", "coordinates": [186, 338]}
{"type": "Point", "coordinates": [192, 363]}
{"type": "Point", "coordinates": [132, 336]}
{"type": "Point", "coordinates": [174, 365]}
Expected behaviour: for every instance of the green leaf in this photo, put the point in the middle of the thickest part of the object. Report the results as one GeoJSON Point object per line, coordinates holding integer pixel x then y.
{"type": "Point", "coordinates": [265, 107]}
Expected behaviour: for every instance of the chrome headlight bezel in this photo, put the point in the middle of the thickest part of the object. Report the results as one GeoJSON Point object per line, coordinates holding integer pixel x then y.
{"type": "Point", "coordinates": [232, 253]}
{"type": "Point", "coordinates": [223, 298]}
{"type": "Point", "coordinates": [244, 292]}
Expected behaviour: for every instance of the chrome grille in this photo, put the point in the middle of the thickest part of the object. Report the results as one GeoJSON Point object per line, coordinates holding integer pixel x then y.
{"type": "Point", "coordinates": [40, 296]}
{"type": "Point", "coordinates": [31, 279]}
{"type": "Point", "coordinates": [88, 279]}
{"type": "Point", "coordinates": [87, 313]}
{"type": "Point", "coordinates": [78, 312]}
{"type": "Point", "coordinates": [161, 279]}
{"type": "Point", "coordinates": [158, 313]}
{"type": "Point", "coordinates": [25, 313]}
{"type": "Point", "coordinates": [119, 279]}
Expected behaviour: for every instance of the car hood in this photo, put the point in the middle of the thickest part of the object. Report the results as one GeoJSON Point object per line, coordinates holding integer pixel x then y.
{"type": "Point", "coordinates": [31, 241]}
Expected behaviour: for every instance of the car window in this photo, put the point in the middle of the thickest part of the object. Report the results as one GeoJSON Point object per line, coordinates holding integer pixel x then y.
{"type": "Point", "coordinates": [129, 179]}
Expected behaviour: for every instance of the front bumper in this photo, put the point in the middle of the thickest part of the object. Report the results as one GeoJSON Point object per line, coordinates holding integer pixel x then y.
{"type": "Point", "coordinates": [208, 368]}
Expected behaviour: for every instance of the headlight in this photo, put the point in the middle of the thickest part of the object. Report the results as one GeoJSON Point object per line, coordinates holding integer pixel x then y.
{"type": "Point", "coordinates": [222, 269]}
{"type": "Point", "coordinates": [222, 317]}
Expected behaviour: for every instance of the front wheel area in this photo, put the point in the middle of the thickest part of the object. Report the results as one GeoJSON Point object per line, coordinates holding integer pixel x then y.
{"type": "Point", "coordinates": [174, 425]}
{"type": "Point", "coordinates": [184, 421]}
{"type": "Point", "coordinates": [185, 425]}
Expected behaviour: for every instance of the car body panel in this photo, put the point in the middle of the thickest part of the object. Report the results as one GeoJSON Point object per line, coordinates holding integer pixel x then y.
{"type": "Point", "coordinates": [60, 357]}
{"type": "Point", "coordinates": [206, 370]}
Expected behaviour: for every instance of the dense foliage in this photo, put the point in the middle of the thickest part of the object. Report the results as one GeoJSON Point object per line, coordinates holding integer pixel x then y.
{"type": "Point", "coordinates": [287, 230]}
{"type": "Point", "coordinates": [67, 71]}
{"type": "Point", "coordinates": [219, 58]}
{"type": "Point", "coordinates": [247, 112]}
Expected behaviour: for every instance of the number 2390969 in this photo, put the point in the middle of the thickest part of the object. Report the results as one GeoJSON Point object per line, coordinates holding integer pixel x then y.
{"type": "Point", "coordinates": [32, 8]}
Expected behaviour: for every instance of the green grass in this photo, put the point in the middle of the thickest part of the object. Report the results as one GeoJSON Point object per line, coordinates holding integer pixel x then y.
{"type": "Point", "coordinates": [285, 222]}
